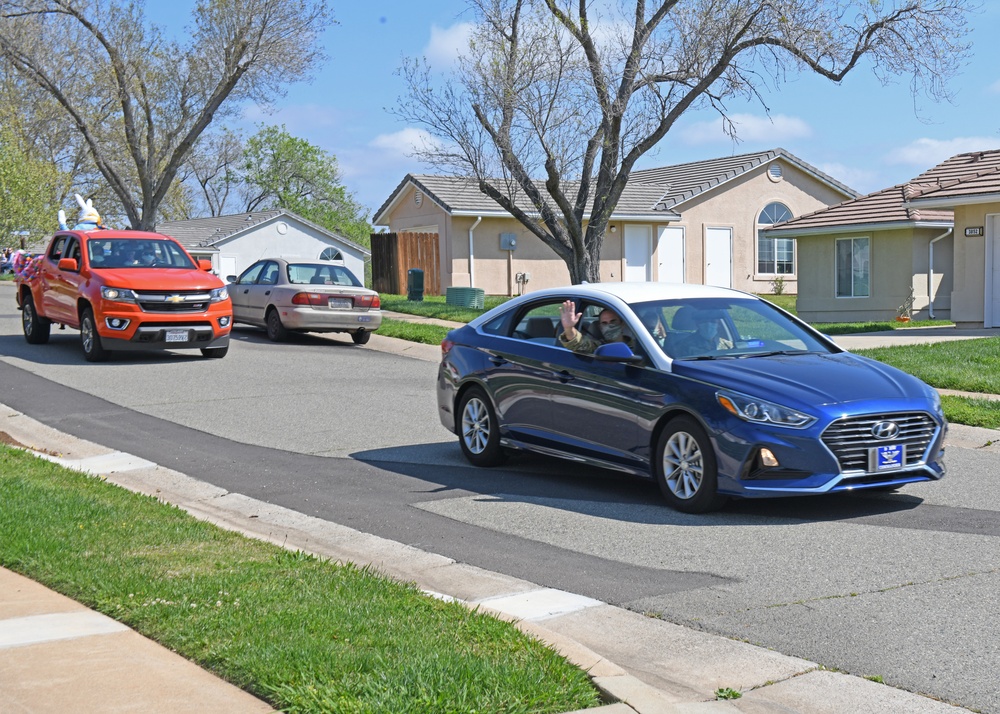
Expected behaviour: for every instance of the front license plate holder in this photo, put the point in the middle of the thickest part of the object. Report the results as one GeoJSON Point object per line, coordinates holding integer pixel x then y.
{"type": "Point", "coordinates": [887, 457]}
{"type": "Point", "coordinates": [176, 336]}
{"type": "Point", "coordinates": [340, 303]}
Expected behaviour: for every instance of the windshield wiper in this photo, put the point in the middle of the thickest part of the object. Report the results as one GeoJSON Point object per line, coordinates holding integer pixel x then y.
{"type": "Point", "coordinates": [776, 352]}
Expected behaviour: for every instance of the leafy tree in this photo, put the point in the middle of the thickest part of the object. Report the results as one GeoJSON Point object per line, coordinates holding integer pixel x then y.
{"type": "Point", "coordinates": [279, 170]}
{"type": "Point", "coordinates": [28, 192]}
{"type": "Point", "coordinates": [138, 101]}
{"type": "Point", "coordinates": [556, 100]}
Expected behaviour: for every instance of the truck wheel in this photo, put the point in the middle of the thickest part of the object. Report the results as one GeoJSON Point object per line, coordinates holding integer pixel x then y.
{"type": "Point", "coordinates": [93, 350]}
{"type": "Point", "coordinates": [36, 329]}
{"type": "Point", "coordinates": [215, 352]}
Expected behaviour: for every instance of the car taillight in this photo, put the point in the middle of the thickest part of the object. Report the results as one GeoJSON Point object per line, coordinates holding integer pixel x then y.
{"type": "Point", "coordinates": [314, 299]}
{"type": "Point", "coordinates": [446, 346]}
{"type": "Point", "coordinates": [366, 301]}
{"type": "Point", "coordinates": [376, 301]}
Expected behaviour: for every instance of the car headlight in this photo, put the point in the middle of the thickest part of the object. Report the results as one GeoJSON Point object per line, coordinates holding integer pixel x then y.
{"type": "Point", "coordinates": [219, 294]}
{"type": "Point", "coordinates": [118, 294]}
{"type": "Point", "coordinates": [935, 398]}
{"type": "Point", "coordinates": [760, 411]}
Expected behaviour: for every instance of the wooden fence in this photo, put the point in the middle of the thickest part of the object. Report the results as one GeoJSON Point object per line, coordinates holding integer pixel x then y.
{"type": "Point", "coordinates": [393, 254]}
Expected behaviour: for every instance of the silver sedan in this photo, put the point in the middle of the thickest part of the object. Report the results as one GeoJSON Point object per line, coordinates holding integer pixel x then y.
{"type": "Point", "coordinates": [283, 296]}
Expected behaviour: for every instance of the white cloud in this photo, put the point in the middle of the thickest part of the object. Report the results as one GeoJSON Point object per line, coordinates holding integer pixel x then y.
{"type": "Point", "coordinates": [864, 180]}
{"type": "Point", "coordinates": [446, 44]}
{"type": "Point", "coordinates": [926, 153]}
{"type": "Point", "coordinates": [402, 143]}
{"type": "Point", "coordinates": [994, 88]}
{"type": "Point", "coordinates": [778, 129]}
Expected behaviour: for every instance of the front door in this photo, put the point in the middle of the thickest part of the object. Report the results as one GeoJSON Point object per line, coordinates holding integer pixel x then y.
{"type": "Point", "coordinates": [719, 257]}
{"type": "Point", "coordinates": [670, 254]}
{"type": "Point", "coordinates": [637, 244]}
{"type": "Point", "coordinates": [992, 318]}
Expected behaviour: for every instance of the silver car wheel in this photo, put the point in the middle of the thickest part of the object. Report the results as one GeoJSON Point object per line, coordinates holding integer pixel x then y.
{"type": "Point", "coordinates": [683, 465]}
{"type": "Point", "coordinates": [475, 426]}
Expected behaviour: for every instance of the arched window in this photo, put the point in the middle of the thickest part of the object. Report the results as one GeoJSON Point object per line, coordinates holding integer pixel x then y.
{"type": "Point", "coordinates": [775, 256]}
{"type": "Point", "coordinates": [330, 254]}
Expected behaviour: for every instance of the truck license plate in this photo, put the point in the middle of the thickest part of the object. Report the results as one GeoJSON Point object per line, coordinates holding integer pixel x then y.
{"type": "Point", "coordinates": [341, 303]}
{"type": "Point", "coordinates": [177, 336]}
{"type": "Point", "coordinates": [888, 457]}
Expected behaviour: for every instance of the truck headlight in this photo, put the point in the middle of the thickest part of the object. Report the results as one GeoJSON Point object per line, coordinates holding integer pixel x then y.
{"type": "Point", "coordinates": [760, 411]}
{"type": "Point", "coordinates": [118, 294]}
{"type": "Point", "coordinates": [219, 294]}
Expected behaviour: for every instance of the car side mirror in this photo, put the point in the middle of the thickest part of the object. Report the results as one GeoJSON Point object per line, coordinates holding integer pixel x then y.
{"type": "Point", "coordinates": [231, 279]}
{"type": "Point", "coordinates": [68, 264]}
{"type": "Point", "coordinates": [205, 265]}
{"type": "Point", "coordinates": [616, 352]}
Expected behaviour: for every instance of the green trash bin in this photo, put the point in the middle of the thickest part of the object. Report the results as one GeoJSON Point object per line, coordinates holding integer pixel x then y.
{"type": "Point", "coordinates": [415, 284]}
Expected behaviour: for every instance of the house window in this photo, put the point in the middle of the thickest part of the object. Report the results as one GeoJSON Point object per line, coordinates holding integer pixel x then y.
{"type": "Point", "coordinates": [775, 256]}
{"type": "Point", "coordinates": [330, 254]}
{"type": "Point", "coordinates": [853, 267]}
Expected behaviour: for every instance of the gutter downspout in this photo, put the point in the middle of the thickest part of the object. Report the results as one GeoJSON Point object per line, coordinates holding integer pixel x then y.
{"type": "Point", "coordinates": [930, 272]}
{"type": "Point", "coordinates": [472, 275]}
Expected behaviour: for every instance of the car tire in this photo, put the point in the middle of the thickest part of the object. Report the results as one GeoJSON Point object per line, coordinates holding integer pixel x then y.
{"type": "Point", "coordinates": [36, 328]}
{"type": "Point", "coordinates": [685, 467]}
{"type": "Point", "coordinates": [276, 331]}
{"type": "Point", "coordinates": [478, 430]}
{"type": "Point", "coordinates": [215, 352]}
{"type": "Point", "coordinates": [361, 337]}
{"type": "Point", "coordinates": [93, 350]}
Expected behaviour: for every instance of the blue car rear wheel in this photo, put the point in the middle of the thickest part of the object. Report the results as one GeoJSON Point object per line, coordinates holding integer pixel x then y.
{"type": "Point", "coordinates": [478, 431]}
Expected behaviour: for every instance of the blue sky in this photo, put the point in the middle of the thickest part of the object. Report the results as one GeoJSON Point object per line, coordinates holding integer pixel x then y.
{"type": "Point", "coordinates": [861, 133]}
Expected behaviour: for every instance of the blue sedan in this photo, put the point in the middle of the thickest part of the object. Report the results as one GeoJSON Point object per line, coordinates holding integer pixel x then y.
{"type": "Point", "coordinates": [713, 393]}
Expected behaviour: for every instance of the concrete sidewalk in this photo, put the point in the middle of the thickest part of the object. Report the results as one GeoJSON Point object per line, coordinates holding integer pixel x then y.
{"type": "Point", "coordinates": [57, 656]}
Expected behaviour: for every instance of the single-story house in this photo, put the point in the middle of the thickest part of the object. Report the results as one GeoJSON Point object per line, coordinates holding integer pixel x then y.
{"type": "Point", "coordinates": [918, 248]}
{"type": "Point", "coordinates": [698, 222]}
{"type": "Point", "coordinates": [234, 243]}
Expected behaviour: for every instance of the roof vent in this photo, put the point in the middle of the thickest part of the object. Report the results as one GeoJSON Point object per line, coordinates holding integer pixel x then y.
{"type": "Point", "coordinates": [774, 171]}
{"type": "Point", "coordinates": [418, 198]}
{"type": "Point", "coordinates": [249, 216]}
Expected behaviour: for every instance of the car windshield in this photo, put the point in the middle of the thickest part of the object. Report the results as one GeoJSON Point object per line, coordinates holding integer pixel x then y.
{"type": "Point", "coordinates": [132, 253]}
{"type": "Point", "coordinates": [724, 328]}
{"type": "Point", "coordinates": [320, 274]}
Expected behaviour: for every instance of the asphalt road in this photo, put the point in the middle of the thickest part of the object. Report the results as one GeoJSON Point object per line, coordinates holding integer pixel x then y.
{"type": "Point", "coordinates": [903, 586]}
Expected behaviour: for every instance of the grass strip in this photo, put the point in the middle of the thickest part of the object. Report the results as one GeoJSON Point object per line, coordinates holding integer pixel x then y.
{"type": "Point", "coordinates": [971, 411]}
{"type": "Point", "coordinates": [412, 331]}
{"type": "Point", "coordinates": [435, 306]}
{"type": "Point", "coordinates": [303, 633]}
{"type": "Point", "coordinates": [964, 365]}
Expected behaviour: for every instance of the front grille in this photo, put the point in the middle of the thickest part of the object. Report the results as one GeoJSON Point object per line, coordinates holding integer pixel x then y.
{"type": "Point", "coordinates": [850, 439]}
{"type": "Point", "coordinates": [182, 301]}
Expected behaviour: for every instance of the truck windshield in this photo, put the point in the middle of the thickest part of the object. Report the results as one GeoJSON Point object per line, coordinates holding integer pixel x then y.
{"type": "Point", "coordinates": [120, 253]}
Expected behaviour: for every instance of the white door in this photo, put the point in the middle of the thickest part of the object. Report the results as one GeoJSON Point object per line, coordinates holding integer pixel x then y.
{"type": "Point", "coordinates": [992, 317]}
{"type": "Point", "coordinates": [670, 252]}
{"type": "Point", "coordinates": [719, 257]}
{"type": "Point", "coordinates": [227, 266]}
{"type": "Point", "coordinates": [637, 251]}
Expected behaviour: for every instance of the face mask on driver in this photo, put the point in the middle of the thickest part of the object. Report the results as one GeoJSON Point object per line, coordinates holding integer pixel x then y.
{"type": "Point", "coordinates": [611, 331]}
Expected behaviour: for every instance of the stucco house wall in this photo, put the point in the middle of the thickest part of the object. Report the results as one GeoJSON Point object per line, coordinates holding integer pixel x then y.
{"type": "Point", "coordinates": [898, 261]}
{"type": "Point", "coordinates": [978, 264]}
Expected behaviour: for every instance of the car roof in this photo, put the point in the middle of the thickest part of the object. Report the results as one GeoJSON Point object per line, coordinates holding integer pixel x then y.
{"type": "Point", "coordinates": [643, 292]}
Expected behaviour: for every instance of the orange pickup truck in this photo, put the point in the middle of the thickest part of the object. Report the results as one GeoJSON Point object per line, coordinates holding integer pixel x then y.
{"type": "Point", "coordinates": [124, 290]}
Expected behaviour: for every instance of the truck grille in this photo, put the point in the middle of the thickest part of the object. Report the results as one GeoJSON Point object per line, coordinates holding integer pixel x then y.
{"type": "Point", "coordinates": [182, 301]}
{"type": "Point", "coordinates": [851, 439]}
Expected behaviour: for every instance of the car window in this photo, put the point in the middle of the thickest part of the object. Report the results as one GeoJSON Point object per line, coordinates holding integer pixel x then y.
{"type": "Point", "coordinates": [539, 323]}
{"type": "Point", "coordinates": [269, 274]}
{"type": "Point", "coordinates": [251, 274]}
{"type": "Point", "coordinates": [56, 251]}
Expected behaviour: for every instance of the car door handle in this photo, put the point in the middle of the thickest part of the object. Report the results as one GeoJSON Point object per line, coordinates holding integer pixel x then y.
{"type": "Point", "coordinates": [497, 360]}
{"type": "Point", "coordinates": [565, 376]}
{"type": "Point", "coordinates": [268, 292]}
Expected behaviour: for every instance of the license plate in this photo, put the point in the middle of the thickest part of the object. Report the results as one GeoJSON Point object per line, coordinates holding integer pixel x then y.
{"type": "Point", "coordinates": [341, 303]}
{"type": "Point", "coordinates": [177, 336]}
{"type": "Point", "coordinates": [888, 457]}
{"type": "Point", "coordinates": [364, 318]}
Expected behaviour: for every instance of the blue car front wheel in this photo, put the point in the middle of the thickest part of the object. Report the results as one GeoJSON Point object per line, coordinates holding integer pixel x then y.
{"type": "Point", "coordinates": [685, 467]}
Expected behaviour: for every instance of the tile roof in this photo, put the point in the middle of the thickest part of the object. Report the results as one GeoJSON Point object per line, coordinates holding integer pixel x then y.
{"type": "Point", "coordinates": [925, 199]}
{"type": "Point", "coordinates": [685, 181]}
{"type": "Point", "coordinates": [649, 193]}
{"type": "Point", "coordinates": [206, 232]}
{"type": "Point", "coordinates": [885, 208]}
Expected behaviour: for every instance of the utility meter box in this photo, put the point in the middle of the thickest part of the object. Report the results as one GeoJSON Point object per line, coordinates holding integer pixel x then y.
{"type": "Point", "coordinates": [508, 241]}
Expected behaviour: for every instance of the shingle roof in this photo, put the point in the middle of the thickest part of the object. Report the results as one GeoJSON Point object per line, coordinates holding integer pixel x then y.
{"type": "Point", "coordinates": [206, 232]}
{"type": "Point", "coordinates": [649, 193]}
{"type": "Point", "coordinates": [923, 200]}
{"type": "Point", "coordinates": [685, 181]}
{"type": "Point", "coordinates": [882, 209]}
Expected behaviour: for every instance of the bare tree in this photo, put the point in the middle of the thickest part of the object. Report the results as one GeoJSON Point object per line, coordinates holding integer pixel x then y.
{"type": "Point", "coordinates": [556, 100]}
{"type": "Point", "coordinates": [214, 166]}
{"type": "Point", "coordinates": [139, 101]}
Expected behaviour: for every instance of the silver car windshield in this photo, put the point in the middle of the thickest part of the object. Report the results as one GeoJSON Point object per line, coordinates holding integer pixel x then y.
{"type": "Point", "coordinates": [721, 328]}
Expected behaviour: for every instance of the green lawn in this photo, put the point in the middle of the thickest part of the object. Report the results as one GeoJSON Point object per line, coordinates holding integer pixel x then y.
{"type": "Point", "coordinates": [303, 633]}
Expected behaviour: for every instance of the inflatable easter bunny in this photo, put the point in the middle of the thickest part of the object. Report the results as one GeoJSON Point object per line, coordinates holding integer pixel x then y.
{"type": "Point", "coordinates": [88, 220]}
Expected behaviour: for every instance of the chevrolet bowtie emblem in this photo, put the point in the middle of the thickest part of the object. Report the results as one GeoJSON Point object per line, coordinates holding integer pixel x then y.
{"type": "Point", "coordinates": [175, 298]}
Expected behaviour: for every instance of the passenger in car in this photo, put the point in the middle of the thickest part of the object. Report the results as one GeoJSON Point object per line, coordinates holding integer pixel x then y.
{"type": "Point", "coordinates": [609, 323]}
{"type": "Point", "coordinates": [707, 337]}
